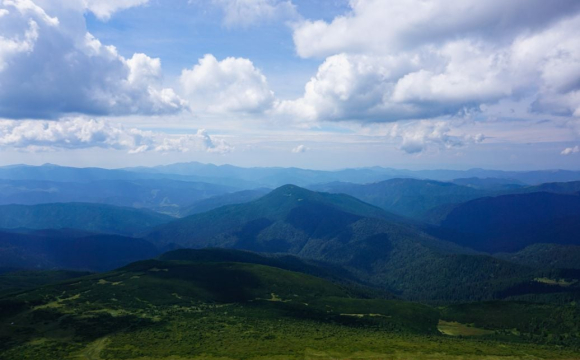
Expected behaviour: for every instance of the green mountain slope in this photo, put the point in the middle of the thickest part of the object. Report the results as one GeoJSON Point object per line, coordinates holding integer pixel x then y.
{"type": "Point", "coordinates": [546, 256]}
{"type": "Point", "coordinates": [299, 207]}
{"type": "Point", "coordinates": [241, 303]}
{"type": "Point", "coordinates": [89, 217]}
{"type": "Point", "coordinates": [327, 271]}
{"type": "Point", "coordinates": [509, 223]}
{"type": "Point", "coordinates": [373, 246]}
{"type": "Point", "coordinates": [15, 281]}
{"type": "Point", "coordinates": [538, 323]}
{"type": "Point", "coordinates": [215, 202]}
{"type": "Point", "coordinates": [71, 250]}
{"type": "Point", "coordinates": [199, 307]}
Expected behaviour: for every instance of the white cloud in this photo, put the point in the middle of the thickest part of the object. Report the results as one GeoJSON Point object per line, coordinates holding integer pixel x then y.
{"type": "Point", "coordinates": [391, 60]}
{"type": "Point", "coordinates": [200, 141]}
{"type": "Point", "coordinates": [391, 26]}
{"type": "Point", "coordinates": [571, 150]}
{"type": "Point", "coordinates": [300, 149]}
{"type": "Point", "coordinates": [28, 7]}
{"type": "Point", "coordinates": [407, 86]}
{"type": "Point", "coordinates": [103, 9]}
{"type": "Point", "coordinates": [71, 133]}
{"type": "Point", "coordinates": [144, 70]}
{"type": "Point", "coordinates": [211, 144]}
{"type": "Point", "coordinates": [244, 13]}
{"type": "Point", "coordinates": [4, 12]}
{"type": "Point", "coordinates": [11, 47]}
{"type": "Point", "coordinates": [230, 85]}
{"type": "Point", "coordinates": [460, 72]}
{"type": "Point", "coordinates": [418, 136]}
{"type": "Point", "coordinates": [50, 65]}
{"type": "Point", "coordinates": [82, 133]}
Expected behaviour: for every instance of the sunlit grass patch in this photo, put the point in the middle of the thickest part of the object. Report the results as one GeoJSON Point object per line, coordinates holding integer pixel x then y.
{"type": "Point", "coordinates": [457, 329]}
{"type": "Point", "coordinates": [558, 282]}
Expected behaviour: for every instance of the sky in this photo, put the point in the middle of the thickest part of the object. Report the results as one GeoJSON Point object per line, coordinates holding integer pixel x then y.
{"type": "Point", "coordinates": [328, 84]}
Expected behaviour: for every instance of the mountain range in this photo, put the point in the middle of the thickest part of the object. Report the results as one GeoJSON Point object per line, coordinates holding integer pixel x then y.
{"type": "Point", "coordinates": [376, 247]}
{"type": "Point", "coordinates": [234, 268]}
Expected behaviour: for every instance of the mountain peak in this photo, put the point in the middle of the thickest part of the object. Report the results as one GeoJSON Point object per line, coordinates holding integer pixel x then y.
{"type": "Point", "coordinates": [291, 191]}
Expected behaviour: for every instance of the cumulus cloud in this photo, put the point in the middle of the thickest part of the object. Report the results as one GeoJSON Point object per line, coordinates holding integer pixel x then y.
{"type": "Point", "coordinates": [28, 7]}
{"type": "Point", "coordinates": [201, 141]}
{"type": "Point", "coordinates": [244, 13]}
{"type": "Point", "coordinates": [83, 133]}
{"type": "Point", "coordinates": [389, 60]}
{"type": "Point", "coordinates": [418, 136]}
{"type": "Point", "coordinates": [349, 87]}
{"type": "Point", "coordinates": [406, 86]}
{"type": "Point", "coordinates": [571, 150]}
{"type": "Point", "coordinates": [14, 46]}
{"type": "Point", "coordinates": [230, 85]}
{"type": "Point", "coordinates": [391, 26]}
{"type": "Point", "coordinates": [50, 65]}
{"type": "Point", "coordinates": [300, 149]}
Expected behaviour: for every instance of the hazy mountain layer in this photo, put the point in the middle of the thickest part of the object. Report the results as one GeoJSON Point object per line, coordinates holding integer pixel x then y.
{"type": "Point", "coordinates": [407, 197]}
{"type": "Point", "coordinates": [512, 222]}
{"type": "Point", "coordinates": [66, 250]}
{"type": "Point", "coordinates": [96, 218]}
{"type": "Point", "coordinates": [248, 178]}
{"type": "Point", "coordinates": [222, 200]}
{"type": "Point", "coordinates": [163, 195]}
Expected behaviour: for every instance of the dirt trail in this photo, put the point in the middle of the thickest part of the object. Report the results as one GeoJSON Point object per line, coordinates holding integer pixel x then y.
{"type": "Point", "coordinates": [93, 351]}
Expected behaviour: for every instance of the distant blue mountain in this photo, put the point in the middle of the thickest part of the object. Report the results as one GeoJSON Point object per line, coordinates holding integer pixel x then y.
{"type": "Point", "coordinates": [510, 223]}
{"type": "Point", "coordinates": [97, 218]}
{"type": "Point", "coordinates": [248, 178]}
{"type": "Point", "coordinates": [161, 195]}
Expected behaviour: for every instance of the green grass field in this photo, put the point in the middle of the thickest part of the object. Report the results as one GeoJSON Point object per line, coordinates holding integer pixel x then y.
{"type": "Point", "coordinates": [176, 310]}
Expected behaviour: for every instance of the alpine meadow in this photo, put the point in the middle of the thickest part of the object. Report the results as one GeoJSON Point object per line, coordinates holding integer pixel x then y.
{"type": "Point", "coordinates": [289, 180]}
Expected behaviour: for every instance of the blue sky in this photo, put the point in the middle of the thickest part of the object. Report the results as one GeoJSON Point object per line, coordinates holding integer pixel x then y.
{"type": "Point", "coordinates": [316, 84]}
{"type": "Point", "coordinates": [181, 32]}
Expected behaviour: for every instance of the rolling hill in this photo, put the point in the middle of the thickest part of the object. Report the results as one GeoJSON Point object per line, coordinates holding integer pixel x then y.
{"type": "Point", "coordinates": [97, 218]}
{"type": "Point", "coordinates": [489, 184]}
{"type": "Point", "coordinates": [17, 281]}
{"type": "Point", "coordinates": [244, 304]}
{"type": "Point", "coordinates": [71, 250]}
{"type": "Point", "coordinates": [207, 305]}
{"type": "Point", "coordinates": [406, 197]}
{"type": "Point", "coordinates": [57, 173]}
{"type": "Point", "coordinates": [287, 262]}
{"type": "Point", "coordinates": [571, 187]}
{"type": "Point", "coordinates": [510, 223]}
{"type": "Point", "coordinates": [223, 200]}
{"type": "Point", "coordinates": [546, 256]}
{"type": "Point", "coordinates": [162, 195]}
